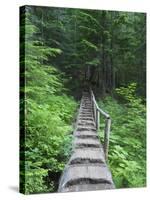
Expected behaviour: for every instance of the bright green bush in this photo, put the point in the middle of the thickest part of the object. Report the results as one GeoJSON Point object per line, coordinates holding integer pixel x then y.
{"type": "Point", "coordinates": [127, 153]}
{"type": "Point", "coordinates": [48, 141]}
{"type": "Point", "coordinates": [49, 113]}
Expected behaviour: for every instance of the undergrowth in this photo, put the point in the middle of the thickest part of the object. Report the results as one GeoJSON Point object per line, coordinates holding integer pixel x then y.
{"type": "Point", "coordinates": [127, 149]}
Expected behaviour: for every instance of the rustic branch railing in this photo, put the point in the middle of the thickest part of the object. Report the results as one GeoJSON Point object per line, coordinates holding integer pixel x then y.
{"type": "Point", "coordinates": [97, 112]}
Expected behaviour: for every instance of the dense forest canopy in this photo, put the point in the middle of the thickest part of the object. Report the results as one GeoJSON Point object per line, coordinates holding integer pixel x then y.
{"type": "Point", "coordinates": [106, 48]}
{"type": "Point", "coordinates": [62, 51]}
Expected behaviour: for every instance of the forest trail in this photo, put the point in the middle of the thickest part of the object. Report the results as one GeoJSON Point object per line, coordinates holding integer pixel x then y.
{"type": "Point", "coordinates": [87, 168]}
{"type": "Point", "coordinates": [64, 51]}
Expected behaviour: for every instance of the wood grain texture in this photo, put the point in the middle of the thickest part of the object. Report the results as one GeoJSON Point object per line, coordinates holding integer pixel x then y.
{"type": "Point", "coordinates": [87, 169]}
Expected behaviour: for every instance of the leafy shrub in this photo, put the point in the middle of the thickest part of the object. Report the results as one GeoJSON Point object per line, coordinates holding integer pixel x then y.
{"type": "Point", "coordinates": [48, 141]}
{"type": "Point", "coordinates": [127, 153]}
{"type": "Point", "coordinates": [49, 113]}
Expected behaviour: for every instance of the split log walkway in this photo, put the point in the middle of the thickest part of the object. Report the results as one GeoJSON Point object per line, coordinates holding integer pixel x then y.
{"type": "Point", "coordinates": [87, 169]}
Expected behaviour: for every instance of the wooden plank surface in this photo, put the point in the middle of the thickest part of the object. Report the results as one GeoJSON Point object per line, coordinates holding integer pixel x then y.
{"type": "Point", "coordinates": [87, 169]}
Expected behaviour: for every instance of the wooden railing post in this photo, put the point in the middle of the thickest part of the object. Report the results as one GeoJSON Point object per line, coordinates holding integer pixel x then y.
{"type": "Point", "coordinates": [97, 119]}
{"type": "Point", "coordinates": [96, 114]}
{"type": "Point", "coordinates": [106, 137]}
{"type": "Point", "coordinates": [94, 111]}
{"type": "Point", "coordinates": [99, 115]}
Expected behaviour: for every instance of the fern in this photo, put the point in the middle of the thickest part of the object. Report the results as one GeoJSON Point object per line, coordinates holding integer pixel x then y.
{"type": "Point", "coordinates": [127, 153]}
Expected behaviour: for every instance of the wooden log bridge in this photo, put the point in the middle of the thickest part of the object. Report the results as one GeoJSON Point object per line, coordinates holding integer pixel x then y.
{"type": "Point", "coordinates": [87, 168]}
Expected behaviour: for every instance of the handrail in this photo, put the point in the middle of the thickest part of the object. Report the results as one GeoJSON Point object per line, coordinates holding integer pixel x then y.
{"type": "Point", "coordinates": [100, 110]}
{"type": "Point", "coordinates": [97, 112]}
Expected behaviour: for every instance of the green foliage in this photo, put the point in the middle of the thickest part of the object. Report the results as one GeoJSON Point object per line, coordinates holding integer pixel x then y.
{"type": "Point", "coordinates": [62, 46]}
{"type": "Point", "coordinates": [48, 142]}
{"type": "Point", "coordinates": [94, 62]}
{"type": "Point", "coordinates": [127, 153]}
{"type": "Point", "coordinates": [89, 45]}
{"type": "Point", "coordinates": [127, 93]}
{"type": "Point", "coordinates": [87, 17]}
{"type": "Point", "coordinates": [49, 115]}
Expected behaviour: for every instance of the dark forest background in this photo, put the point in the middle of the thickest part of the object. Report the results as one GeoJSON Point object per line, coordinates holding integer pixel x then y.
{"type": "Point", "coordinates": [62, 52]}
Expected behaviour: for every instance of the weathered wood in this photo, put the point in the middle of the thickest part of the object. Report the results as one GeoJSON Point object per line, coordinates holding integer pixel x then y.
{"type": "Point", "coordinates": [79, 142]}
{"type": "Point", "coordinates": [77, 133]}
{"type": "Point", "coordinates": [90, 156]}
{"type": "Point", "coordinates": [106, 137]}
{"type": "Point", "coordinates": [97, 119]}
{"type": "Point", "coordinates": [88, 187]}
{"type": "Point", "coordinates": [78, 174]}
{"type": "Point", "coordinates": [87, 168]}
{"type": "Point", "coordinates": [100, 110]}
